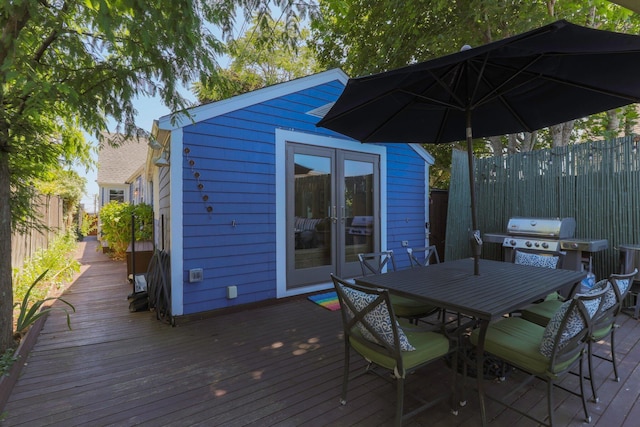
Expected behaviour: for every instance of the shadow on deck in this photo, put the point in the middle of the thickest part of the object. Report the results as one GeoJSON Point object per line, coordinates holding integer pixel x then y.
{"type": "Point", "coordinates": [275, 365]}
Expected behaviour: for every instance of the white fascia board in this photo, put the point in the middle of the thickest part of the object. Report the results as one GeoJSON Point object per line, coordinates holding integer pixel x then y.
{"type": "Point", "coordinates": [214, 109]}
{"type": "Point", "coordinates": [177, 234]}
{"type": "Point", "coordinates": [418, 148]}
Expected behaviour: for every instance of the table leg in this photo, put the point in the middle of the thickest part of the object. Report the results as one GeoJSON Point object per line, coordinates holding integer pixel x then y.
{"type": "Point", "coordinates": [484, 324]}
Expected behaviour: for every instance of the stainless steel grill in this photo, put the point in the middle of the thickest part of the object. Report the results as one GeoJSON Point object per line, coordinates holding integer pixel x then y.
{"type": "Point", "coordinates": [547, 235]}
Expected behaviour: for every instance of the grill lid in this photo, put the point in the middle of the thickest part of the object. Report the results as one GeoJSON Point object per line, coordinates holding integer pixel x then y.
{"type": "Point", "coordinates": [555, 228]}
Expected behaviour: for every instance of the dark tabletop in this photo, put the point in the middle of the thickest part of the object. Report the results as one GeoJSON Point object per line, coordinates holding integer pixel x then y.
{"type": "Point", "coordinates": [501, 287]}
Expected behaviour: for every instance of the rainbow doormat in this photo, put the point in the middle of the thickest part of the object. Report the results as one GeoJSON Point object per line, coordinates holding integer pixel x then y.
{"type": "Point", "coordinates": [328, 300]}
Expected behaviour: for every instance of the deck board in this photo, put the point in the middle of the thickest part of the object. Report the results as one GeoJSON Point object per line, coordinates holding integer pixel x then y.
{"type": "Point", "coordinates": [275, 365]}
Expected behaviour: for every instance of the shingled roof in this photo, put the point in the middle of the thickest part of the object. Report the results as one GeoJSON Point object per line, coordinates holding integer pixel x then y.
{"type": "Point", "coordinates": [117, 164]}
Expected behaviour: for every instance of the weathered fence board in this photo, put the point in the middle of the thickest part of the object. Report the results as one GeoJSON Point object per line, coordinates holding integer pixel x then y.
{"type": "Point", "coordinates": [23, 246]}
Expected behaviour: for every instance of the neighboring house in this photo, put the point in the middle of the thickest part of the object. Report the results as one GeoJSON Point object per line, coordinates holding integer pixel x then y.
{"type": "Point", "coordinates": [258, 203]}
{"type": "Point", "coordinates": [121, 171]}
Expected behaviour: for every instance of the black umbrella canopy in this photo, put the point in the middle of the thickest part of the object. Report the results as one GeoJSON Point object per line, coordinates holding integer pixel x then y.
{"type": "Point", "coordinates": [546, 76]}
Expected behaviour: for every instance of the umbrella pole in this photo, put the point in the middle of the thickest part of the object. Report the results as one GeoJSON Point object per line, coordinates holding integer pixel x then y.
{"type": "Point", "coordinates": [474, 239]}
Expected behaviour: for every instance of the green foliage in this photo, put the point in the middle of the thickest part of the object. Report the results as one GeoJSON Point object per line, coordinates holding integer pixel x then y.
{"type": "Point", "coordinates": [6, 360]}
{"type": "Point", "coordinates": [115, 219]}
{"type": "Point", "coordinates": [57, 260]}
{"type": "Point", "coordinates": [29, 310]}
{"type": "Point", "coordinates": [67, 184]}
{"type": "Point", "coordinates": [365, 37]}
{"type": "Point", "coordinates": [68, 66]}
{"type": "Point", "coordinates": [32, 287]}
{"type": "Point", "coordinates": [268, 53]}
{"type": "Point", "coordinates": [88, 224]}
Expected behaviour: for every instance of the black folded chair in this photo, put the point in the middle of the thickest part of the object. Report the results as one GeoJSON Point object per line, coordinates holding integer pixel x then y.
{"type": "Point", "coordinates": [548, 353]}
{"type": "Point", "coordinates": [372, 331]}
{"type": "Point", "coordinates": [429, 256]}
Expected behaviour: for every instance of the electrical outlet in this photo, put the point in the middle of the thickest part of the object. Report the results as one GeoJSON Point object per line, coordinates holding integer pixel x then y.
{"type": "Point", "coordinates": [405, 243]}
{"type": "Point", "coordinates": [196, 275]}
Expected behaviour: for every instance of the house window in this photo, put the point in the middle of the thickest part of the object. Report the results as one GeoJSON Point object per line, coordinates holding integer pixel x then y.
{"type": "Point", "coordinates": [116, 195]}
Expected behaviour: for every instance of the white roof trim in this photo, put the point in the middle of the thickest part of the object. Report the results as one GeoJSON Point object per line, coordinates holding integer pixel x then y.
{"type": "Point", "coordinates": [213, 109]}
{"type": "Point", "coordinates": [418, 148]}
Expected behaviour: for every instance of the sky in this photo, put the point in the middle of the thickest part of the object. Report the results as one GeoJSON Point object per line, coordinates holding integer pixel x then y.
{"type": "Point", "coordinates": [149, 109]}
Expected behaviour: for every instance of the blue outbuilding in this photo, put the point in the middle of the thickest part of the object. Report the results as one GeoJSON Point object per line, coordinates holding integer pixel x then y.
{"type": "Point", "coordinates": [253, 202]}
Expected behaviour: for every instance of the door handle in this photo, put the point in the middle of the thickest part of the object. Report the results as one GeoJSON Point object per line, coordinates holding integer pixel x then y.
{"type": "Point", "coordinates": [333, 217]}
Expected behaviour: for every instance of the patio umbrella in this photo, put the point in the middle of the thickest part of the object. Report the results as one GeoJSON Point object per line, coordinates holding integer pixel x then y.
{"type": "Point", "coordinates": [546, 76]}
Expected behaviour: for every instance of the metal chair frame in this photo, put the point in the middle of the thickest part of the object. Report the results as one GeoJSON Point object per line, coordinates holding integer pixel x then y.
{"type": "Point", "coordinates": [430, 252]}
{"type": "Point", "coordinates": [577, 345]}
{"type": "Point", "coordinates": [607, 318]}
{"type": "Point", "coordinates": [352, 316]}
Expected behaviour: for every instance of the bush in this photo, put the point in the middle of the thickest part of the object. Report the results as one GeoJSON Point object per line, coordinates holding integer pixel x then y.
{"type": "Point", "coordinates": [57, 259]}
{"type": "Point", "coordinates": [88, 225]}
{"type": "Point", "coordinates": [31, 309]}
{"type": "Point", "coordinates": [115, 218]}
{"type": "Point", "coordinates": [33, 288]}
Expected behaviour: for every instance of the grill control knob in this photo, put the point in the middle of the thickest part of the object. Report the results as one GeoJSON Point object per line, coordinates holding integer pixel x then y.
{"type": "Point", "coordinates": [528, 244]}
{"type": "Point", "coordinates": [512, 242]}
{"type": "Point", "coordinates": [545, 245]}
{"type": "Point", "coordinates": [537, 244]}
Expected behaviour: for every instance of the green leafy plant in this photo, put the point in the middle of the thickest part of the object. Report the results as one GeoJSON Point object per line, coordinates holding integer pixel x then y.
{"type": "Point", "coordinates": [115, 218]}
{"type": "Point", "coordinates": [89, 224]}
{"type": "Point", "coordinates": [6, 361]}
{"type": "Point", "coordinates": [29, 311]}
{"type": "Point", "coordinates": [58, 259]}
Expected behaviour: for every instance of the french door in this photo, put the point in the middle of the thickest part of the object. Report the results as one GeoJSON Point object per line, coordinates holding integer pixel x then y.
{"type": "Point", "coordinates": [332, 212]}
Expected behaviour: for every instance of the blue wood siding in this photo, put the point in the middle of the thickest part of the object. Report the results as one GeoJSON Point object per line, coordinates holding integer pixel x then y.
{"type": "Point", "coordinates": [233, 158]}
{"type": "Point", "coordinates": [406, 172]}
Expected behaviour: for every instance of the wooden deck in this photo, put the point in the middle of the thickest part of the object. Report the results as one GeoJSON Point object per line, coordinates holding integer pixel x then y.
{"type": "Point", "coordinates": [274, 365]}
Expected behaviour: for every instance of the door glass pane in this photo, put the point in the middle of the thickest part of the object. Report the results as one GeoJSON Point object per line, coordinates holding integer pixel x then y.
{"type": "Point", "coordinates": [358, 209]}
{"type": "Point", "coordinates": [312, 204]}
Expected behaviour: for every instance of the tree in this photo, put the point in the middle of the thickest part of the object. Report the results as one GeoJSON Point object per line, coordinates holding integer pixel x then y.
{"type": "Point", "coordinates": [67, 65]}
{"type": "Point", "coordinates": [264, 55]}
{"type": "Point", "coordinates": [67, 184]}
{"type": "Point", "coordinates": [364, 37]}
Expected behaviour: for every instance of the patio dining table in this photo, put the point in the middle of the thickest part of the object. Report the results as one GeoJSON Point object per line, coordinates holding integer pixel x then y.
{"type": "Point", "coordinates": [500, 288]}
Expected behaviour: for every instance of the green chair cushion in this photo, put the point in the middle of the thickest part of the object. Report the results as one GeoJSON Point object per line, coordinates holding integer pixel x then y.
{"type": "Point", "coordinates": [602, 332]}
{"type": "Point", "coordinates": [517, 342]}
{"type": "Point", "coordinates": [428, 346]}
{"type": "Point", "coordinates": [541, 313]}
{"type": "Point", "coordinates": [409, 307]}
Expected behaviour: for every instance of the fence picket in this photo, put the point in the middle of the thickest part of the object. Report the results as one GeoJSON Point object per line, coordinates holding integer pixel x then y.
{"type": "Point", "coordinates": [597, 183]}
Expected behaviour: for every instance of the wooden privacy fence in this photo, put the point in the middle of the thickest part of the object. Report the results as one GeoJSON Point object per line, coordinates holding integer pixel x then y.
{"type": "Point", "coordinates": [23, 246]}
{"type": "Point", "coordinates": [597, 183]}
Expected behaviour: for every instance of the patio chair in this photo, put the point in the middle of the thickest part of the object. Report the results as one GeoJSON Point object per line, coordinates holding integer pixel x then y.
{"type": "Point", "coordinates": [548, 353]}
{"type": "Point", "coordinates": [541, 311]}
{"type": "Point", "coordinates": [392, 351]}
{"type": "Point", "coordinates": [408, 308]}
{"type": "Point", "coordinates": [430, 255]}
{"type": "Point", "coordinates": [604, 323]}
